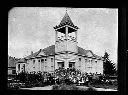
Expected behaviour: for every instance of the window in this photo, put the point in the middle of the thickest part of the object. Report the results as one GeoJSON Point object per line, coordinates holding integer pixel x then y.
{"type": "Point", "coordinates": [62, 65]}
{"type": "Point", "coordinates": [33, 61]}
{"type": "Point", "coordinates": [38, 60]}
{"type": "Point", "coordinates": [18, 67]}
{"type": "Point", "coordinates": [51, 59]}
{"type": "Point", "coordinates": [52, 68]}
{"type": "Point", "coordinates": [24, 67]}
{"type": "Point", "coordinates": [45, 59]}
{"type": "Point", "coordinates": [79, 62]}
{"type": "Point", "coordinates": [96, 61]}
{"type": "Point", "coordinates": [90, 60]}
{"type": "Point", "coordinates": [70, 65]}
{"type": "Point", "coordinates": [79, 59]}
{"type": "Point", "coordinates": [42, 60]}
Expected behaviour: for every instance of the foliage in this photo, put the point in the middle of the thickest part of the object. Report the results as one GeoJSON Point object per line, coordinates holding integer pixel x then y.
{"type": "Point", "coordinates": [31, 80]}
{"type": "Point", "coordinates": [109, 66]}
{"type": "Point", "coordinates": [62, 78]}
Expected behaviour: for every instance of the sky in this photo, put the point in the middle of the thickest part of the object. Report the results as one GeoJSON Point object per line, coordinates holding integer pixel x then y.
{"type": "Point", "coordinates": [31, 29]}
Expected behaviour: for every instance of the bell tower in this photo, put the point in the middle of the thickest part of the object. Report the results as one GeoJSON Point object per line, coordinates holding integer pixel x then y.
{"type": "Point", "coordinates": [66, 36]}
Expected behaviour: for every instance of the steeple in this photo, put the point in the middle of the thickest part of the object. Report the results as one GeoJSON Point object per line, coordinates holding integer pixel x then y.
{"type": "Point", "coordinates": [66, 35]}
{"type": "Point", "coordinates": [66, 20]}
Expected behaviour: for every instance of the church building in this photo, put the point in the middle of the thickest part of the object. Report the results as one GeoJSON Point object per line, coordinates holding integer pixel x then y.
{"type": "Point", "coordinates": [64, 54]}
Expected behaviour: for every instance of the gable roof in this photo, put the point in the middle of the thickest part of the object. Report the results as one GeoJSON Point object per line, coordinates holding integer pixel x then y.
{"type": "Point", "coordinates": [33, 55]}
{"type": "Point", "coordinates": [51, 51]}
{"type": "Point", "coordinates": [85, 52]}
{"type": "Point", "coordinates": [82, 51]}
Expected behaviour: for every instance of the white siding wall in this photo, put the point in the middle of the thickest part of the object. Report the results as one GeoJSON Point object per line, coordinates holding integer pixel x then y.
{"type": "Point", "coordinates": [42, 64]}
{"type": "Point", "coordinates": [72, 46]}
{"type": "Point", "coordinates": [49, 66]}
{"type": "Point", "coordinates": [66, 46]}
{"type": "Point", "coordinates": [30, 65]}
{"type": "Point", "coordinates": [62, 57]}
{"type": "Point", "coordinates": [82, 64]}
{"type": "Point", "coordinates": [93, 66]}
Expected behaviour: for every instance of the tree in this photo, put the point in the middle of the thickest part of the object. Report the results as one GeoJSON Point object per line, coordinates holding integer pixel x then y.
{"type": "Point", "coordinates": [109, 66]}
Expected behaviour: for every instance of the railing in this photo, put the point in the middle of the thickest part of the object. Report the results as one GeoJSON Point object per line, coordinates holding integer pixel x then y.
{"type": "Point", "coordinates": [62, 38]}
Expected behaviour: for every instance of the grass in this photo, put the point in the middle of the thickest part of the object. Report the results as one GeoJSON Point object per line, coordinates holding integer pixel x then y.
{"type": "Point", "coordinates": [106, 86]}
{"type": "Point", "coordinates": [71, 87]}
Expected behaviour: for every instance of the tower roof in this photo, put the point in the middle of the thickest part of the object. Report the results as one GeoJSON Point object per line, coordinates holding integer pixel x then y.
{"type": "Point", "coordinates": [66, 19]}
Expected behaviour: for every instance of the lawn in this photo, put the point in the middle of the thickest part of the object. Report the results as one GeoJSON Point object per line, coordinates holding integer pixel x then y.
{"type": "Point", "coordinates": [105, 86]}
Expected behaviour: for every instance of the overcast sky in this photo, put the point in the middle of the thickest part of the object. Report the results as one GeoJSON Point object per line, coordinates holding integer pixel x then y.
{"type": "Point", "coordinates": [31, 29]}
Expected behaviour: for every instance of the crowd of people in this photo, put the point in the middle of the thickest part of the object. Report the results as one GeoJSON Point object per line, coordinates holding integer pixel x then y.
{"type": "Point", "coordinates": [60, 76]}
{"type": "Point", "coordinates": [72, 75]}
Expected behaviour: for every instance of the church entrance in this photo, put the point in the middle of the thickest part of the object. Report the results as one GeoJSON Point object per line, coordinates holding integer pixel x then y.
{"type": "Point", "coordinates": [60, 64]}
{"type": "Point", "coordinates": [71, 64]}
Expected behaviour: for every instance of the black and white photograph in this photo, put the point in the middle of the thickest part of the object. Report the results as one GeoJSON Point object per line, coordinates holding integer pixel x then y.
{"type": "Point", "coordinates": [63, 48]}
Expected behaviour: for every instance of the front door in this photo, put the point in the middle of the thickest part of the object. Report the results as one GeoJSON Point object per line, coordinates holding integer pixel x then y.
{"type": "Point", "coordinates": [71, 64]}
{"type": "Point", "coordinates": [60, 64]}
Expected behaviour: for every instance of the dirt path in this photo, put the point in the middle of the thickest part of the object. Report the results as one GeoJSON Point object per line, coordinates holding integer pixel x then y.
{"type": "Point", "coordinates": [38, 88]}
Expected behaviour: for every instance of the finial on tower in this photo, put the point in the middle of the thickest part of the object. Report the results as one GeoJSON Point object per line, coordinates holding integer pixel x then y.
{"type": "Point", "coordinates": [66, 10]}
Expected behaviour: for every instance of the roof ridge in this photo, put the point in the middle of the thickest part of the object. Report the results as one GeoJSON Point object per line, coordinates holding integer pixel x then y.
{"type": "Point", "coordinates": [48, 46]}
